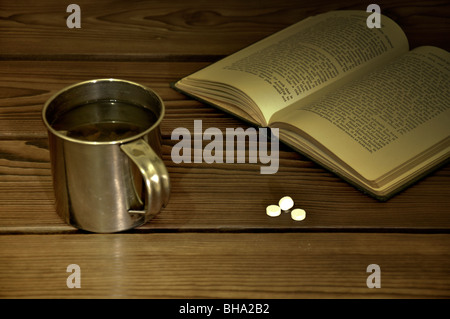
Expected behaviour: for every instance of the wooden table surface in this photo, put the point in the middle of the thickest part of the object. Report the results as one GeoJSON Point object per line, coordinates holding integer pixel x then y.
{"type": "Point", "coordinates": [214, 238]}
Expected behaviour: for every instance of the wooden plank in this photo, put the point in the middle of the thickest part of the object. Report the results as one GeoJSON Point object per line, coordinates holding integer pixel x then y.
{"type": "Point", "coordinates": [214, 238]}
{"type": "Point", "coordinates": [230, 197]}
{"type": "Point", "coordinates": [204, 196]}
{"type": "Point", "coordinates": [194, 265]}
{"type": "Point", "coordinates": [25, 86]}
{"type": "Point", "coordinates": [181, 29]}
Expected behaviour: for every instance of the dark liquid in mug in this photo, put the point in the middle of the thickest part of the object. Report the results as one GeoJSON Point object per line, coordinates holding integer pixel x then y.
{"type": "Point", "coordinates": [104, 121]}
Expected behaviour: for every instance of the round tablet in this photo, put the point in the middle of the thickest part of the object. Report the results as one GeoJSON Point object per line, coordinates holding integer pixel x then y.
{"type": "Point", "coordinates": [298, 214]}
{"type": "Point", "coordinates": [286, 203]}
{"type": "Point", "coordinates": [273, 210]}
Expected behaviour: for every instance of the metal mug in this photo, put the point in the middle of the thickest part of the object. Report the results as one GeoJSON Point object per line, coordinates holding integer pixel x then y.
{"type": "Point", "coordinates": [110, 184]}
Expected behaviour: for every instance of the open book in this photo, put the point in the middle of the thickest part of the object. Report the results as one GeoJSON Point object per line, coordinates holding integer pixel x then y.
{"type": "Point", "coordinates": [352, 98]}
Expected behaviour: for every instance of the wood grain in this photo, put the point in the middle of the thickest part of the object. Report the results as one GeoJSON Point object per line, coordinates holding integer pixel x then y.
{"type": "Point", "coordinates": [214, 239]}
{"type": "Point", "coordinates": [230, 197]}
{"type": "Point", "coordinates": [204, 196]}
{"type": "Point", "coordinates": [225, 265]}
{"type": "Point", "coordinates": [25, 86]}
{"type": "Point", "coordinates": [181, 30]}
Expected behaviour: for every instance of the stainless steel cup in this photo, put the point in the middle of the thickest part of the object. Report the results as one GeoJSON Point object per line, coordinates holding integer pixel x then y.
{"type": "Point", "coordinates": [107, 185]}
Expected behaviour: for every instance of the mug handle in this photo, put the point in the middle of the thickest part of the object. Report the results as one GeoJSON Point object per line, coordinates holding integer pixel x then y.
{"type": "Point", "coordinates": [155, 175]}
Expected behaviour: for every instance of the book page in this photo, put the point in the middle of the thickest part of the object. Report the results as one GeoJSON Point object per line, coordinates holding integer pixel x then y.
{"type": "Point", "coordinates": [306, 57]}
{"type": "Point", "coordinates": [381, 190]}
{"type": "Point", "coordinates": [387, 122]}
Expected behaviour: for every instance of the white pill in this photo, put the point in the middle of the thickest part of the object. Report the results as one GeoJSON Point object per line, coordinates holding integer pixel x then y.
{"type": "Point", "coordinates": [273, 210]}
{"type": "Point", "coordinates": [298, 214]}
{"type": "Point", "coordinates": [286, 203]}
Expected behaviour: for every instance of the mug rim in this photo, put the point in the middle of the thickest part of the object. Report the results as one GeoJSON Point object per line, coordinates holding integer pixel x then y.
{"type": "Point", "coordinates": [113, 142]}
